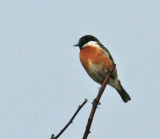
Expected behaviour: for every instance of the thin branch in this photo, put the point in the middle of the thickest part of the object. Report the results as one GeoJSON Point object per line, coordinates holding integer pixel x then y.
{"type": "Point", "coordinates": [71, 120]}
{"type": "Point", "coordinates": [95, 104]}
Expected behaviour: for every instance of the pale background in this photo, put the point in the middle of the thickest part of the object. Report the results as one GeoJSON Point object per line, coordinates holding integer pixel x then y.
{"type": "Point", "coordinates": [42, 81]}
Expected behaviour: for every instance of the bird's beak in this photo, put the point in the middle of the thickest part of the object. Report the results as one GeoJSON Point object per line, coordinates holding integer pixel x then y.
{"type": "Point", "coordinates": [76, 45]}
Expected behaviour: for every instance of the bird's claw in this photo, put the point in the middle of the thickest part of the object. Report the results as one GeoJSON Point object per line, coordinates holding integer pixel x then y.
{"type": "Point", "coordinates": [111, 73]}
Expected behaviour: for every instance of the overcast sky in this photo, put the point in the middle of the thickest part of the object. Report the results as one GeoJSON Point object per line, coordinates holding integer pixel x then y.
{"type": "Point", "coordinates": [42, 81]}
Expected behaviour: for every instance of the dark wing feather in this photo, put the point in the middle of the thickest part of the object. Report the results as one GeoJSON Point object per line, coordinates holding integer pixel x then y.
{"type": "Point", "coordinates": [106, 50]}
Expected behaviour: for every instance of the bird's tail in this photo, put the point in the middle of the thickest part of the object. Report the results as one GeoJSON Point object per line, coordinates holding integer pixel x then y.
{"type": "Point", "coordinates": [124, 95]}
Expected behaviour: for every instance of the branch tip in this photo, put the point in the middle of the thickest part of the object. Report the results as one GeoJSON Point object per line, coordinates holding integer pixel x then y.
{"type": "Point", "coordinates": [70, 121]}
{"type": "Point", "coordinates": [52, 137]}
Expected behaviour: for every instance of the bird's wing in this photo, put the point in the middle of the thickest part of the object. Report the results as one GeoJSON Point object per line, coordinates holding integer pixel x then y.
{"type": "Point", "coordinates": [107, 52]}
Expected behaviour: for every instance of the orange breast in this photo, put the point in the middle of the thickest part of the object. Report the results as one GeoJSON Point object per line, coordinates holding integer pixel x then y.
{"type": "Point", "coordinates": [93, 55]}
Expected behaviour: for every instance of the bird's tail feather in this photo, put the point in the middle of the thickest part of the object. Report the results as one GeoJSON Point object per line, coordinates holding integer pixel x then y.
{"type": "Point", "coordinates": [124, 95]}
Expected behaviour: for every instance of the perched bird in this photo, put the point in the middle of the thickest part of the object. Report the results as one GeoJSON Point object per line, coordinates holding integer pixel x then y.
{"type": "Point", "coordinates": [97, 61]}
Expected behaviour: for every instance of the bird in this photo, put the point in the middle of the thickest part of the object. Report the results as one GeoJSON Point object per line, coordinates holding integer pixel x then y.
{"type": "Point", "coordinates": [97, 61]}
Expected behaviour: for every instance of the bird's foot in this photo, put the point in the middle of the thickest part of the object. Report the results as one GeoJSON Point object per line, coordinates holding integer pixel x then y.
{"type": "Point", "coordinates": [111, 73]}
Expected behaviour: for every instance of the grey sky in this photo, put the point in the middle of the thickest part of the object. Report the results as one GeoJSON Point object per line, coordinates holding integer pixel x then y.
{"type": "Point", "coordinates": [42, 81]}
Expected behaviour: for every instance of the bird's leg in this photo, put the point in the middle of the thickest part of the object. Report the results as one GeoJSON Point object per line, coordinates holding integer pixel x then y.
{"type": "Point", "coordinates": [112, 75]}
{"type": "Point", "coordinates": [109, 72]}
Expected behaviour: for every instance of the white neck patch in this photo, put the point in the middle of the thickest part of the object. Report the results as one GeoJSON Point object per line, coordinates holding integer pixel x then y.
{"type": "Point", "coordinates": [91, 43]}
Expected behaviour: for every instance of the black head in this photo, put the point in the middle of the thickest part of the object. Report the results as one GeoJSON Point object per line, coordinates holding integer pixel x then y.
{"type": "Point", "coordinates": [85, 39]}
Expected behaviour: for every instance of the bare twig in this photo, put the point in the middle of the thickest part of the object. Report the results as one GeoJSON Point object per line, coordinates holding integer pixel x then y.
{"type": "Point", "coordinates": [95, 104]}
{"type": "Point", "coordinates": [71, 120]}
